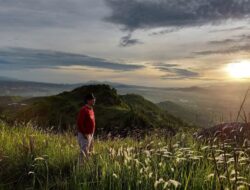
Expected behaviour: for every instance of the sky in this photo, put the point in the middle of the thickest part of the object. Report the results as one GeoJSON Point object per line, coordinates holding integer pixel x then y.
{"type": "Point", "coordinates": [163, 43]}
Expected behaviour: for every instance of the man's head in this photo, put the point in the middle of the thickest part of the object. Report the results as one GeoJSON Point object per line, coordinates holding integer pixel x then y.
{"type": "Point", "coordinates": [90, 99]}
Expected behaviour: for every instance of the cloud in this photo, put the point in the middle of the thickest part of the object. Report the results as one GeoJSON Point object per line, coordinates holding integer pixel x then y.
{"type": "Point", "coordinates": [166, 31]}
{"type": "Point", "coordinates": [239, 43]}
{"type": "Point", "coordinates": [244, 37]}
{"type": "Point", "coordinates": [177, 73]}
{"type": "Point", "coordinates": [224, 42]}
{"type": "Point", "coordinates": [229, 50]}
{"type": "Point", "coordinates": [143, 14]}
{"type": "Point", "coordinates": [238, 39]}
{"type": "Point", "coordinates": [163, 66]}
{"type": "Point", "coordinates": [50, 13]}
{"type": "Point", "coordinates": [172, 72]}
{"type": "Point", "coordinates": [128, 41]}
{"type": "Point", "coordinates": [229, 29]}
{"type": "Point", "coordinates": [22, 58]}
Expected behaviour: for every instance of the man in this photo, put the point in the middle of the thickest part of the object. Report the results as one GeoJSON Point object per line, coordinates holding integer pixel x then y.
{"type": "Point", "coordinates": [86, 126]}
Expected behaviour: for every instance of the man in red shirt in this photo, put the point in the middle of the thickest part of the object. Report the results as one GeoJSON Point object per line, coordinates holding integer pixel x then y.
{"type": "Point", "coordinates": [86, 126]}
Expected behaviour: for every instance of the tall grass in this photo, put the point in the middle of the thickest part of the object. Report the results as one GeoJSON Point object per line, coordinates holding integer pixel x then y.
{"type": "Point", "coordinates": [34, 159]}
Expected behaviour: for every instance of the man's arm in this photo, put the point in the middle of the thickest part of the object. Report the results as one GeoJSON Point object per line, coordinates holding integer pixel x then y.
{"type": "Point", "coordinates": [80, 120]}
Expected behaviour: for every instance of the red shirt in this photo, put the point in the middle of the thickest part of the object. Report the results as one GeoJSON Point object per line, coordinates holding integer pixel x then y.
{"type": "Point", "coordinates": [86, 120]}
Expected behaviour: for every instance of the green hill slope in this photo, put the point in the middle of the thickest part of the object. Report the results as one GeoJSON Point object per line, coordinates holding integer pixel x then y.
{"type": "Point", "coordinates": [116, 114]}
{"type": "Point", "coordinates": [189, 115]}
{"type": "Point", "coordinates": [6, 101]}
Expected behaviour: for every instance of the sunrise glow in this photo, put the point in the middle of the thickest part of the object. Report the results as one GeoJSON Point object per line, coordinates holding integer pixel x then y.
{"type": "Point", "coordinates": [239, 70]}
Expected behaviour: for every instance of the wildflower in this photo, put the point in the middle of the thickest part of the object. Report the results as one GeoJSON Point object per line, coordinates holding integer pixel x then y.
{"type": "Point", "coordinates": [183, 136]}
{"type": "Point", "coordinates": [200, 137]}
{"type": "Point", "coordinates": [137, 162]}
{"type": "Point", "coordinates": [112, 152]}
{"type": "Point", "coordinates": [178, 160]}
{"type": "Point", "coordinates": [196, 157]}
{"type": "Point", "coordinates": [243, 183]}
{"type": "Point", "coordinates": [174, 183]}
{"type": "Point", "coordinates": [176, 145]}
{"type": "Point", "coordinates": [210, 176]}
{"type": "Point", "coordinates": [157, 182]}
{"type": "Point", "coordinates": [141, 170]}
{"type": "Point", "coordinates": [39, 158]}
{"type": "Point", "coordinates": [150, 174]}
{"type": "Point", "coordinates": [31, 173]}
{"type": "Point", "coordinates": [204, 147]}
{"type": "Point", "coordinates": [165, 185]}
{"type": "Point", "coordinates": [222, 177]}
{"type": "Point", "coordinates": [147, 153]}
{"type": "Point", "coordinates": [166, 156]}
{"type": "Point", "coordinates": [233, 172]}
{"type": "Point", "coordinates": [230, 160]}
{"type": "Point", "coordinates": [241, 178]}
{"type": "Point", "coordinates": [115, 176]}
{"type": "Point", "coordinates": [241, 187]}
{"type": "Point", "coordinates": [147, 161]}
{"type": "Point", "coordinates": [146, 169]}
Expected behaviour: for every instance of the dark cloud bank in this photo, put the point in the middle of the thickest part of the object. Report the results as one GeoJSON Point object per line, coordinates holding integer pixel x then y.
{"type": "Point", "coordinates": [22, 58]}
{"type": "Point", "coordinates": [141, 14]}
{"type": "Point", "coordinates": [173, 14]}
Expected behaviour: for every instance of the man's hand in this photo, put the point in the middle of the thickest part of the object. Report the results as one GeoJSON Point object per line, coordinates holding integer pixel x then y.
{"type": "Point", "coordinates": [89, 138]}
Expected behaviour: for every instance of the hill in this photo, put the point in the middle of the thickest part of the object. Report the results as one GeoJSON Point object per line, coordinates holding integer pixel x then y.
{"type": "Point", "coordinates": [200, 105]}
{"type": "Point", "coordinates": [116, 114]}
{"type": "Point", "coordinates": [189, 115]}
{"type": "Point", "coordinates": [234, 131]}
{"type": "Point", "coordinates": [6, 101]}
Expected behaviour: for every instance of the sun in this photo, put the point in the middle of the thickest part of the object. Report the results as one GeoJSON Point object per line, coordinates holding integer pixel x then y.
{"type": "Point", "coordinates": [239, 70]}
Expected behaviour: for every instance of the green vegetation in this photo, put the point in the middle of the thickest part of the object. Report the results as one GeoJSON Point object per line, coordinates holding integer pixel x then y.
{"type": "Point", "coordinates": [33, 159]}
{"type": "Point", "coordinates": [188, 114]}
{"type": "Point", "coordinates": [122, 115]}
{"type": "Point", "coordinates": [6, 101]}
{"type": "Point", "coordinates": [147, 147]}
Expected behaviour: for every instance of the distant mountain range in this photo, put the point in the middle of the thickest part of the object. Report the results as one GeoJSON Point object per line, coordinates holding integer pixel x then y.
{"type": "Point", "coordinates": [7, 79]}
{"type": "Point", "coordinates": [15, 87]}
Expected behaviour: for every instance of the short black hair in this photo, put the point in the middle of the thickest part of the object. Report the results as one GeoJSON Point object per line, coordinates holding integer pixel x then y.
{"type": "Point", "coordinates": [89, 96]}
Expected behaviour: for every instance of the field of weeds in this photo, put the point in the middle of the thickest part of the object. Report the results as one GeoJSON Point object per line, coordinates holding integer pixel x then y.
{"type": "Point", "coordinates": [32, 159]}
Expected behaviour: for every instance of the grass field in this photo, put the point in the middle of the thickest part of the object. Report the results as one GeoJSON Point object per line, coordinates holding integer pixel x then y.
{"type": "Point", "coordinates": [32, 159]}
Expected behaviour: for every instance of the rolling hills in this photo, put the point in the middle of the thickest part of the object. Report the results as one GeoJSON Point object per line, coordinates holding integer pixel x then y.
{"type": "Point", "coordinates": [200, 105]}
{"type": "Point", "coordinates": [115, 114]}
